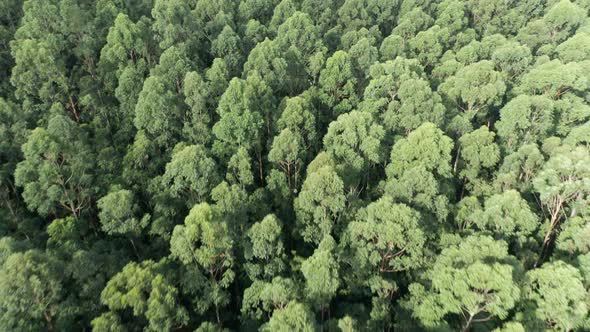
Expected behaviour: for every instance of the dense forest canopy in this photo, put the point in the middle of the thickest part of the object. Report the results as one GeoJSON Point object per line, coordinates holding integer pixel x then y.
{"type": "Point", "coordinates": [294, 165]}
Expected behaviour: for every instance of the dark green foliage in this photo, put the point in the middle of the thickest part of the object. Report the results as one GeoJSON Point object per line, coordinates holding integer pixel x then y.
{"type": "Point", "coordinates": [56, 173]}
{"type": "Point", "coordinates": [32, 291]}
{"type": "Point", "coordinates": [294, 165]}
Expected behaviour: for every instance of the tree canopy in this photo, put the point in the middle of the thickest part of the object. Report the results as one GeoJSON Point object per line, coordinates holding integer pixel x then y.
{"type": "Point", "coordinates": [295, 165]}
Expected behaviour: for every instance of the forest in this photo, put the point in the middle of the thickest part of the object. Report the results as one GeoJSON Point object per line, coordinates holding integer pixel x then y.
{"type": "Point", "coordinates": [295, 165]}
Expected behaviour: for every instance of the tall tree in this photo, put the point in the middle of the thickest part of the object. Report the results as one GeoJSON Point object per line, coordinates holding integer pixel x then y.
{"type": "Point", "coordinates": [265, 251]}
{"type": "Point", "coordinates": [293, 317]}
{"type": "Point", "coordinates": [475, 88]}
{"type": "Point", "coordinates": [478, 154]}
{"type": "Point", "coordinates": [353, 141]}
{"type": "Point", "coordinates": [203, 242]}
{"type": "Point", "coordinates": [557, 296]}
{"type": "Point", "coordinates": [338, 84]}
{"type": "Point", "coordinates": [526, 119]}
{"type": "Point", "coordinates": [190, 174]}
{"type": "Point", "coordinates": [32, 292]}
{"type": "Point", "coordinates": [476, 280]}
{"type": "Point", "coordinates": [562, 189]}
{"type": "Point", "coordinates": [419, 170]}
{"type": "Point", "coordinates": [144, 289]}
{"type": "Point", "coordinates": [321, 275]}
{"type": "Point", "coordinates": [56, 174]}
{"type": "Point", "coordinates": [319, 204]}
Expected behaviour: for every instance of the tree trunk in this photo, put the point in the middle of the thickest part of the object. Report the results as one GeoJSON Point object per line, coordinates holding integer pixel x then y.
{"type": "Point", "coordinates": [456, 160]}
{"type": "Point", "coordinates": [547, 239]}
{"type": "Point", "coordinates": [466, 328]}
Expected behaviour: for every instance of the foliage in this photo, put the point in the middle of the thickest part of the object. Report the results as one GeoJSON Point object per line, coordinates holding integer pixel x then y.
{"type": "Point", "coordinates": [476, 279]}
{"type": "Point", "coordinates": [294, 165]}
